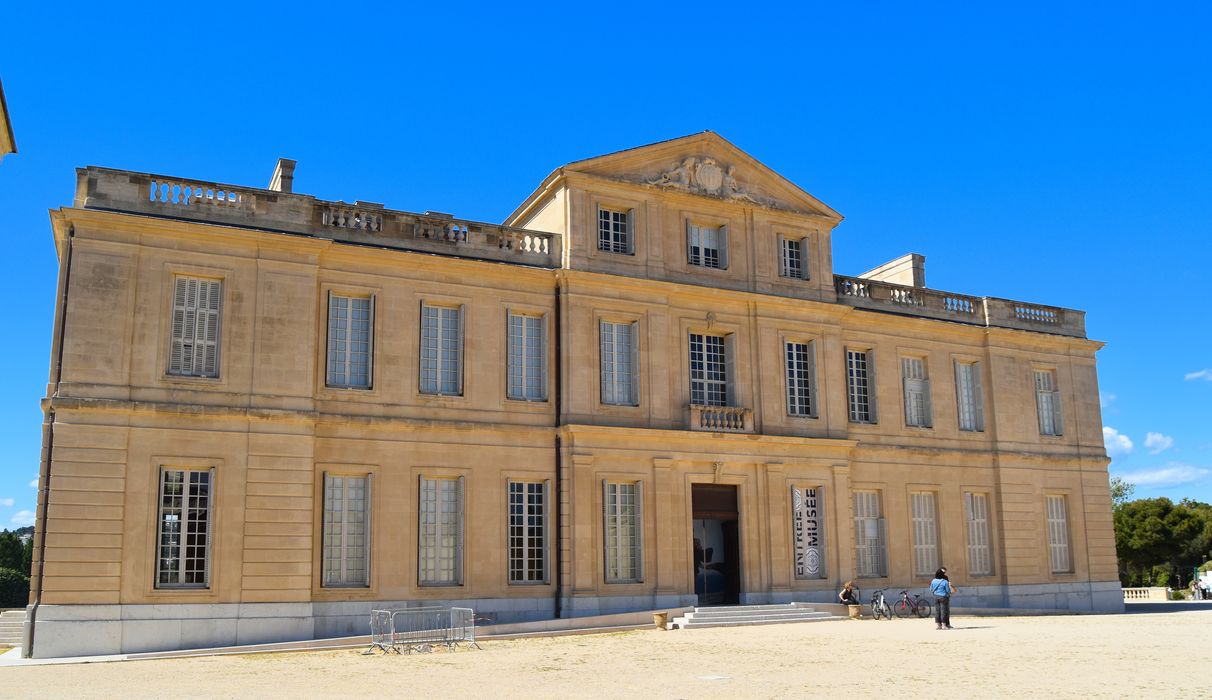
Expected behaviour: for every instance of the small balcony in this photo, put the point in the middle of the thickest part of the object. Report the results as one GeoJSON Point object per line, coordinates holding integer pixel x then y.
{"type": "Point", "coordinates": [721, 419]}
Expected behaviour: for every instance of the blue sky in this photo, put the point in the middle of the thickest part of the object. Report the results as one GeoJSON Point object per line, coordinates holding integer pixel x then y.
{"type": "Point", "coordinates": [1035, 152]}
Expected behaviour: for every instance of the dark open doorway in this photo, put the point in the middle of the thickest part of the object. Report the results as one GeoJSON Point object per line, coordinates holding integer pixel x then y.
{"type": "Point", "coordinates": [717, 556]}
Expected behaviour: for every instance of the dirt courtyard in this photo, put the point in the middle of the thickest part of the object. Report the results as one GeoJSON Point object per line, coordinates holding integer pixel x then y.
{"type": "Point", "coordinates": [1113, 656]}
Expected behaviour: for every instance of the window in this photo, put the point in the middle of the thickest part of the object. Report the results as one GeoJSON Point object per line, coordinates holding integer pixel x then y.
{"type": "Point", "coordinates": [527, 531]}
{"type": "Point", "coordinates": [869, 535]}
{"type": "Point", "coordinates": [346, 530]}
{"type": "Point", "coordinates": [440, 532]}
{"type": "Point", "coordinates": [1047, 401]}
{"type": "Point", "coordinates": [707, 246]}
{"type": "Point", "coordinates": [622, 504]}
{"type": "Point", "coordinates": [968, 396]}
{"type": "Point", "coordinates": [708, 370]}
{"type": "Point", "coordinates": [925, 533]}
{"type": "Point", "coordinates": [976, 508]}
{"type": "Point", "coordinates": [917, 392]}
{"type": "Point", "coordinates": [620, 363]}
{"type": "Point", "coordinates": [801, 379]}
{"type": "Point", "coordinates": [350, 321]}
{"type": "Point", "coordinates": [527, 358]}
{"type": "Point", "coordinates": [793, 258]}
{"type": "Point", "coordinates": [194, 345]}
{"type": "Point", "coordinates": [1058, 535]}
{"type": "Point", "coordinates": [442, 350]}
{"type": "Point", "coordinates": [858, 383]}
{"type": "Point", "coordinates": [184, 534]}
{"type": "Point", "coordinates": [614, 231]}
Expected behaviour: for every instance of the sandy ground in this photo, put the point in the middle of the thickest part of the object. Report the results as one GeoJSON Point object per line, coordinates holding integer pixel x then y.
{"type": "Point", "coordinates": [1165, 655]}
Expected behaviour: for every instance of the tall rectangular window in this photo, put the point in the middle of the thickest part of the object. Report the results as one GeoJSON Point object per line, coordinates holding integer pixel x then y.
{"type": "Point", "coordinates": [184, 534]}
{"type": "Point", "coordinates": [527, 354]}
{"type": "Point", "coordinates": [917, 392]}
{"type": "Point", "coordinates": [976, 509]}
{"type": "Point", "coordinates": [870, 554]}
{"type": "Point", "coordinates": [194, 345]}
{"type": "Point", "coordinates": [707, 246]}
{"type": "Point", "coordinates": [793, 258]}
{"type": "Point", "coordinates": [1058, 535]}
{"type": "Point", "coordinates": [801, 379]}
{"type": "Point", "coordinates": [708, 370]}
{"type": "Point", "coordinates": [614, 231]}
{"type": "Point", "coordinates": [858, 385]}
{"type": "Point", "coordinates": [620, 366]}
{"type": "Point", "coordinates": [350, 322]}
{"type": "Point", "coordinates": [346, 530]}
{"type": "Point", "coordinates": [968, 396]}
{"type": "Point", "coordinates": [623, 525]}
{"type": "Point", "coordinates": [440, 532]}
{"type": "Point", "coordinates": [527, 531]}
{"type": "Point", "coordinates": [925, 533]}
{"type": "Point", "coordinates": [442, 350]}
{"type": "Point", "coordinates": [1047, 401]}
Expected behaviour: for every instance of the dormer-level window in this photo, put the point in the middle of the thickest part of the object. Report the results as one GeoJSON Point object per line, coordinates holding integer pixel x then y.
{"type": "Point", "coordinates": [793, 258]}
{"type": "Point", "coordinates": [707, 246]}
{"type": "Point", "coordinates": [615, 231]}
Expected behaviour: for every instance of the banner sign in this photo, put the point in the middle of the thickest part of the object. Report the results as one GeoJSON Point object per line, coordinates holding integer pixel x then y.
{"type": "Point", "coordinates": [806, 527]}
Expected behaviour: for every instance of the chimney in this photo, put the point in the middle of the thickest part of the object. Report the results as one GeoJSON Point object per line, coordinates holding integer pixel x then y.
{"type": "Point", "coordinates": [283, 179]}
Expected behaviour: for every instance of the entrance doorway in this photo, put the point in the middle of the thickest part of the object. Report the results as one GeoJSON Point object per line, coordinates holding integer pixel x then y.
{"type": "Point", "coordinates": [716, 532]}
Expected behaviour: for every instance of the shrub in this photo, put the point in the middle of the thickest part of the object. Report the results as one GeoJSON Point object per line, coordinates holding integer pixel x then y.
{"type": "Point", "coordinates": [14, 589]}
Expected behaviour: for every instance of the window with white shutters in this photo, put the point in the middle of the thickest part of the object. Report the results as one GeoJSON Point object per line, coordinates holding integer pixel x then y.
{"type": "Point", "coordinates": [620, 366]}
{"type": "Point", "coordinates": [528, 531]}
{"type": "Point", "coordinates": [707, 246]}
{"type": "Point", "coordinates": [801, 379]}
{"type": "Point", "coordinates": [350, 322]}
{"type": "Point", "coordinates": [184, 528]}
{"type": "Point", "coordinates": [614, 231]}
{"type": "Point", "coordinates": [917, 392]}
{"type": "Point", "coordinates": [968, 396]}
{"type": "Point", "coordinates": [527, 357]}
{"type": "Point", "coordinates": [1058, 535]}
{"type": "Point", "coordinates": [858, 386]}
{"type": "Point", "coordinates": [925, 533]}
{"type": "Point", "coordinates": [1047, 401]}
{"type": "Point", "coordinates": [442, 350]}
{"type": "Point", "coordinates": [622, 506]}
{"type": "Point", "coordinates": [194, 345]}
{"type": "Point", "coordinates": [976, 510]}
{"type": "Point", "coordinates": [793, 258]}
{"type": "Point", "coordinates": [870, 553]}
{"type": "Point", "coordinates": [440, 532]}
{"type": "Point", "coordinates": [708, 370]}
{"type": "Point", "coordinates": [346, 530]}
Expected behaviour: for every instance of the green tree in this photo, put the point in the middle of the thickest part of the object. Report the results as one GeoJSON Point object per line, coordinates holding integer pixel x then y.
{"type": "Point", "coordinates": [1155, 532]}
{"type": "Point", "coordinates": [12, 551]}
{"type": "Point", "coordinates": [1121, 491]}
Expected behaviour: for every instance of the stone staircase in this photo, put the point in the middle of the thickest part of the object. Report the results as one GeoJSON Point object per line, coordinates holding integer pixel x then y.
{"type": "Point", "coordinates": [11, 622]}
{"type": "Point", "coordinates": [736, 615]}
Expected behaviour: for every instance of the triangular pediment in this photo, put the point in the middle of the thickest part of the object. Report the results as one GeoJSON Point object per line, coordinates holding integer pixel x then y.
{"type": "Point", "coordinates": [704, 164]}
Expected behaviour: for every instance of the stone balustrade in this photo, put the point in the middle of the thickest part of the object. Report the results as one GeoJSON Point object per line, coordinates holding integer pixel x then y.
{"type": "Point", "coordinates": [1152, 593]}
{"type": "Point", "coordinates": [721, 419]}
{"type": "Point", "coordinates": [286, 212]}
{"type": "Point", "coordinates": [947, 306]}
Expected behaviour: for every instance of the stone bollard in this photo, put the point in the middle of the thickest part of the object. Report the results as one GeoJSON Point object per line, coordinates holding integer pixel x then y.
{"type": "Point", "coordinates": [660, 620]}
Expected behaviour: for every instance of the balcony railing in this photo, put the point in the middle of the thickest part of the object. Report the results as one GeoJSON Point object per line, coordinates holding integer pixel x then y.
{"type": "Point", "coordinates": [721, 419]}
{"type": "Point", "coordinates": [947, 306]}
{"type": "Point", "coordinates": [362, 222]}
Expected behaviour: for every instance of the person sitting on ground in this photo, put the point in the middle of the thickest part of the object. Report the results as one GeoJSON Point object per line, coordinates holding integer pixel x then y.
{"type": "Point", "coordinates": [847, 595]}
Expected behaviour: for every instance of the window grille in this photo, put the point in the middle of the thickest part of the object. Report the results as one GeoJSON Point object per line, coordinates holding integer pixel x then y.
{"type": "Point", "coordinates": [527, 358]}
{"type": "Point", "coordinates": [528, 531]}
{"type": "Point", "coordinates": [708, 370]}
{"type": "Point", "coordinates": [441, 350]}
{"type": "Point", "coordinates": [350, 321]}
{"type": "Point", "coordinates": [346, 530]}
{"type": "Point", "coordinates": [619, 370]}
{"type": "Point", "coordinates": [706, 246]}
{"type": "Point", "coordinates": [858, 383]}
{"type": "Point", "coordinates": [614, 231]}
{"type": "Point", "coordinates": [622, 514]}
{"type": "Point", "coordinates": [184, 533]}
{"type": "Point", "coordinates": [793, 258]}
{"type": "Point", "coordinates": [801, 379]}
{"type": "Point", "coordinates": [440, 532]}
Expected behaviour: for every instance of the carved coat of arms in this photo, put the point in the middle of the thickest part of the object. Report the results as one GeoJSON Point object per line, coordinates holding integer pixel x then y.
{"type": "Point", "coordinates": [704, 176]}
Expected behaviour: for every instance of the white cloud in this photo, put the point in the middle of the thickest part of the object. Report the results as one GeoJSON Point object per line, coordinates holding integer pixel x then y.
{"type": "Point", "coordinates": [7, 502]}
{"type": "Point", "coordinates": [1105, 400]}
{"type": "Point", "coordinates": [1157, 443]}
{"type": "Point", "coordinates": [1202, 374]}
{"type": "Point", "coordinates": [1117, 443]}
{"type": "Point", "coordinates": [33, 484]}
{"type": "Point", "coordinates": [1173, 474]}
{"type": "Point", "coordinates": [23, 518]}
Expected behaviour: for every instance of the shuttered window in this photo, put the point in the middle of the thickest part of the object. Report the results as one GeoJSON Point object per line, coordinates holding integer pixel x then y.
{"type": "Point", "coordinates": [614, 231]}
{"type": "Point", "coordinates": [527, 357]}
{"type": "Point", "coordinates": [1047, 401]}
{"type": "Point", "coordinates": [346, 530]}
{"type": "Point", "coordinates": [442, 350]}
{"type": "Point", "coordinates": [925, 533]}
{"type": "Point", "coordinates": [194, 345]}
{"type": "Point", "coordinates": [969, 397]}
{"type": "Point", "coordinates": [708, 370]}
{"type": "Point", "coordinates": [184, 528]}
{"type": "Point", "coordinates": [1058, 535]}
{"type": "Point", "coordinates": [350, 321]}
{"type": "Point", "coordinates": [623, 530]}
{"type": "Point", "coordinates": [801, 379]}
{"type": "Point", "coordinates": [707, 246]}
{"type": "Point", "coordinates": [528, 524]}
{"type": "Point", "coordinates": [976, 510]}
{"type": "Point", "coordinates": [793, 258]}
{"type": "Point", "coordinates": [440, 532]}
{"type": "Point", "coordinates": [917, 392]}
{"type": "Point", "coordinates": [620, 365]}
{"type": "Point", "coordinates": [858, 386]}
{"type": "Point", "coordinates": [870, 554]}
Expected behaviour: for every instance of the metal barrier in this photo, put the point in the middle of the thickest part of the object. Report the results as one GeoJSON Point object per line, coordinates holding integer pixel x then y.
{"type": "Point", "coordinates": [419, 629]}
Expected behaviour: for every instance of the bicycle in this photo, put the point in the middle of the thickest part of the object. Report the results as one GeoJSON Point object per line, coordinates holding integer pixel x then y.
{"type": "Point", "coordinates": [916, 605]}
{"type": "Point", "coordinates": [879, 606]}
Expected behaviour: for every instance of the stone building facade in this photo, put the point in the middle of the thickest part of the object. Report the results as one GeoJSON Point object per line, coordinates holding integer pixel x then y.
{"type": "Point", "coordinates": [269, 413]}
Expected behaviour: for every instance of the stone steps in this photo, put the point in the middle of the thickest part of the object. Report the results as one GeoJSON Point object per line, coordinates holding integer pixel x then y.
{"type": "Point", "coordinates": [11, 624]}
{"type": "Point", "coordinates": [738, 615]}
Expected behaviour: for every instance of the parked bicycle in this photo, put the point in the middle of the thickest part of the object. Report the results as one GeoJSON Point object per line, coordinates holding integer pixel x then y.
{"type": "Point", "coordinates": [879, 606]}
{"type": "Point", "coordinates": [915, 605]}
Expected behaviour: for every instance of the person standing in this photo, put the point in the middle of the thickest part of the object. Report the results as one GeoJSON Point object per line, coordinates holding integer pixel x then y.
{"type": "Point", "coordinates": [942, 589]}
